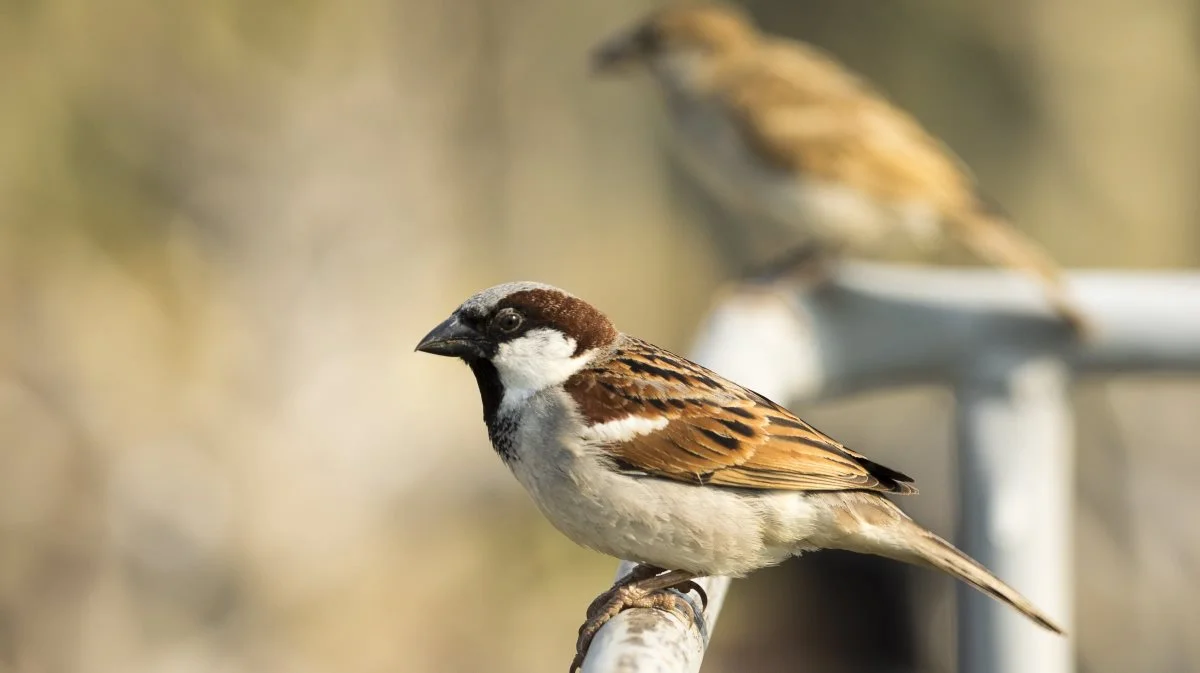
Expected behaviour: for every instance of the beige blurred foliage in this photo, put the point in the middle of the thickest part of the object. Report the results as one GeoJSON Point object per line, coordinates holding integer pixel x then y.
{"type": "Point", "coordinates": [223, 227]}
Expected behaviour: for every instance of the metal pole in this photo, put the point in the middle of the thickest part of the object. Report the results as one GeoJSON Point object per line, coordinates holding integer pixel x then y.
{"type": "Point", "coordinates": [1016, 477]}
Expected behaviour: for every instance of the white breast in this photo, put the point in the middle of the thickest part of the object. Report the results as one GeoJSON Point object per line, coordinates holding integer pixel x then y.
{"type": "Point", "coordinates": [705, 530]}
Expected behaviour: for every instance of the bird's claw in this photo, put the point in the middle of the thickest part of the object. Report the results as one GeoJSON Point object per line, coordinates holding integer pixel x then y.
{"type": "Point", "coordinates": [625, 596]}
{"type": "Point", "coordinates": [811, 261]}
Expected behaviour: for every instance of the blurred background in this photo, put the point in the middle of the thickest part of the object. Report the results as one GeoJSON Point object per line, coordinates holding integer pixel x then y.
{"type": "Point", "coordinates": [224, 226]}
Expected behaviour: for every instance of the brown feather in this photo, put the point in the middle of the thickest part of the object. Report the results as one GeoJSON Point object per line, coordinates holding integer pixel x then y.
{"type": "Point", "coordinates": [803, 116]}
{"type": "Point", "coordinates": [717, 432]}
{"type": "Point", "coordinates": [801, 111]}
{"type": "Point", "coordinates": [994, 239]}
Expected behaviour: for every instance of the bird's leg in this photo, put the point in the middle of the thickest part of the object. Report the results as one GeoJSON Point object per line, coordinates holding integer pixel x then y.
{"type": "Point", "coordinates": [640, 572]}
{"type": "Point", "coordinates": [648, 590]}
{"type": "Point", "coordinates": [813, 260]}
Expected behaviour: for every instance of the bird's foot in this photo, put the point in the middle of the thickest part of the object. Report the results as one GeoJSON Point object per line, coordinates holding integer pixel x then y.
{"type": "Point", "coordinates": [626, 598]}
{"type": "Point", "coordinates": [642, 588]}
{"type": "Point", "coordinates": [811, 262]}
{"type": "Point", "coordinates": [1082, 328]}
{"type": "Point", "coordinates": [641, 573]}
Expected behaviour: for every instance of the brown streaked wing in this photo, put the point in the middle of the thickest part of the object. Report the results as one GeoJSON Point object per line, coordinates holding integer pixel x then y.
{"type": "Point", "coordinates": [802, 111]}
{"type": "Point", "coordinates": [718, 433]}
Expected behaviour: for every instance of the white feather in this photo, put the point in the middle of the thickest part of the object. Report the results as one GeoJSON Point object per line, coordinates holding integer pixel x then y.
{"type": "Point", "coordinates": [535, 361]}
{"type": "Point", "coordinates": [671, 524]}
{"type": "Point", "coordinates": [623, 429]}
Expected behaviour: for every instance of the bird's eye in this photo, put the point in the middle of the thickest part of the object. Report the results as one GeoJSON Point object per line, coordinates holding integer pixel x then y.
{"type": "Point", "coordinates": [508, 321]}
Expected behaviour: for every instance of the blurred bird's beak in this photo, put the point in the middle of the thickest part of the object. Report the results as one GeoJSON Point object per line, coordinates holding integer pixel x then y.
{"type": "Point", "coordinates": [454, 339]}
{"type": "Point", "coordinates": [619, 53]}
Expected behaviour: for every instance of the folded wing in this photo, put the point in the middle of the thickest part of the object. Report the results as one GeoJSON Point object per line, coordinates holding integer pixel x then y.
{"type": "Point", "coordinates": [660, 415]}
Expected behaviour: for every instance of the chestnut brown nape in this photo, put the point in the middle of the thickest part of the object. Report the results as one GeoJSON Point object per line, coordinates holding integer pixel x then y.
{"type": "Point", "coordinates": [570, 315]}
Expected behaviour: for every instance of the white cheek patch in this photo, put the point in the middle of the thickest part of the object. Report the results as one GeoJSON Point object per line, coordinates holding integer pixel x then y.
{"type": "Point", "coordinates": [623, 429]}
{"type": "Point", "coordinates": [537, 360]}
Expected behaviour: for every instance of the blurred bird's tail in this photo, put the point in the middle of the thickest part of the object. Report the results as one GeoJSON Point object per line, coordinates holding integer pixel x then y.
{"type": "Point", "coordinates": [871, 524]}
{"type": "Point", "coordinates": [993, 239]}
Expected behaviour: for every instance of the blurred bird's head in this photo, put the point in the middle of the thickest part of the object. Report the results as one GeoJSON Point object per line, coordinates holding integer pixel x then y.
{"type": "Point", "coordinates": [676, 39]}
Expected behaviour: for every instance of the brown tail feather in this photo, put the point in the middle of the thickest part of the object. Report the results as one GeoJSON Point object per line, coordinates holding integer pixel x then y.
{"type": "Point", "coordinates": [871, 524]}
{"type": "Point", "coordinates": [996, 241]}
{"type": "Point", "coordinates": [937, 553]}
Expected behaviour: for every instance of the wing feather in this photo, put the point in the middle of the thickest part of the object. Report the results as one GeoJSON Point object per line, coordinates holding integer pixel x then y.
{"type": "Point", "coordinates": [801, 110]}
{"type": "Point", "coordinates": [715, 431]}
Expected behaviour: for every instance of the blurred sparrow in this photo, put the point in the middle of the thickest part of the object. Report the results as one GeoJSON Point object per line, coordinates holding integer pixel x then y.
{"type": "Point", "coordinates": [802, 150]}
{"type": "Point", "coordinates": [637, 453]}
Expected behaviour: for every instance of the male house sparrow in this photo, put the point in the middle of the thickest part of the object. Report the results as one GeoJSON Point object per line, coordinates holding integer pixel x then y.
{"type": "Point", "coordinates": [637, 453]}
{"type": "Point", "coordinates": [803, 151]}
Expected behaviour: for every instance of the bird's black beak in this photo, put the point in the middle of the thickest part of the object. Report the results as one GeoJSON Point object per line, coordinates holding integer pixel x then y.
{"type": "Point", "coordinates": [620, 52]}
{"type": "Point", "coordinates": [454, 339]}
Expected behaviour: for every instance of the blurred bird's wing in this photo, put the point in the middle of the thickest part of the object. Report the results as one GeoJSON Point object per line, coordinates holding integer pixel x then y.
{"type": "Point", "coordinates": [801, 111]}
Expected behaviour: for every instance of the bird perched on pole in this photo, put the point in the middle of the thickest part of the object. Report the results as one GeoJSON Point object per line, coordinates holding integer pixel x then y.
{"type": "Point", "coordinates": [805, 153]}
{"type": "Point", "coordinates": [638, 453]}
